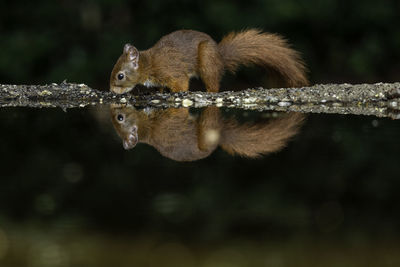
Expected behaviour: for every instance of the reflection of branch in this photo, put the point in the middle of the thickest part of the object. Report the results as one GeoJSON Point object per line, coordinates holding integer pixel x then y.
{"type": "Point", "coordinates": [381, 99]}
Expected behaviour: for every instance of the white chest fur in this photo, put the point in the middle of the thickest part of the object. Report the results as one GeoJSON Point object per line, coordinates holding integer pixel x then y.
{"type": "Point", "coordinates": [148, 110]}
{"type": "Point", "coordinates": [149, 83]}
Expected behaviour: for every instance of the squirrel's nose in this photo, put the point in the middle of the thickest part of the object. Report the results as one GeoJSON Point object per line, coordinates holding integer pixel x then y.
{"type": "Point", "coordinates": [117, 89]}
{"type": "Point", "coordinates": [120, 89]}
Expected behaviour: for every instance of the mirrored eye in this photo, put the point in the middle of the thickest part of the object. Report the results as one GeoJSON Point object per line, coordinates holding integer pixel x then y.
{"type": "Point", "coordinates": [120, 76]}
{"type": "Point", "coordinates": [120, 117]}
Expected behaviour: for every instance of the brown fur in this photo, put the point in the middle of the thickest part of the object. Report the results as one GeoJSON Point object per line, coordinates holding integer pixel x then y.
{"type": "Point", "coordinates": [181, 55]}
{"type": "Point", "coordinates": [179, 136]}
{"type": "Point", "coordinates": [254, 140]}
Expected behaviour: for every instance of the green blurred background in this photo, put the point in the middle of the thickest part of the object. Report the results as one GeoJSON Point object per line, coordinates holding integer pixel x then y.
{"type": "Point", "coordinates": [47, 41]}
{"type": "Point", "coordinates": [338, 181]}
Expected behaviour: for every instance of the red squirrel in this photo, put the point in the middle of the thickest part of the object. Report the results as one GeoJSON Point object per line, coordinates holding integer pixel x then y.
{"type": "Point", "coordinates": [180, 136]}
{"type": "Point", "coordinates": [183, 54]}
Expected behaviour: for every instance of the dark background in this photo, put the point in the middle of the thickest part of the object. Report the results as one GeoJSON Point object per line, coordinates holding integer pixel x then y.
{"type": "Point", "coordinates": [339, 177]}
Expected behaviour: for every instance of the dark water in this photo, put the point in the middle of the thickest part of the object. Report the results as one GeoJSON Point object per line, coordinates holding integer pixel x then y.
{"type": "Point", "coordinates": [316, 190]}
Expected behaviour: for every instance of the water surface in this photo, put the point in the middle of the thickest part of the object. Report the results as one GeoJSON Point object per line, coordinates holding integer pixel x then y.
{"type": "Point", "coordinates": [323, 194]}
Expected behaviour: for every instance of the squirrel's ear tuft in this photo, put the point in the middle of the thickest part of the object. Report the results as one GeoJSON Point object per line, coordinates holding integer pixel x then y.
{"type": "Point", "coordinates": [132, 139]}
{"type": "Point", "coordinates": [127, 47]}
{"type": "Point", "coordinates": [131, 51]}
{"type": "Point", "coordinates": [133, 54]}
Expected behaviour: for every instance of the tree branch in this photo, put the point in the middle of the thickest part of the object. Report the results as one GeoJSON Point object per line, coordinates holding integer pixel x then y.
{"type": "Point", "coordinates": [380, 99]}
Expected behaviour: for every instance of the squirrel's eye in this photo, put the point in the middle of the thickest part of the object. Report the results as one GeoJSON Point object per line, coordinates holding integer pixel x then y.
{"type": "Point", "coordinates": [120, 76]}
{"type": "Point", "coordinates": [120, 117]}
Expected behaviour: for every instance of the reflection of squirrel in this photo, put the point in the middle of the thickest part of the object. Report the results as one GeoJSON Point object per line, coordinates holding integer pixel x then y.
{"type": "Point", "coordinates": [184, 54]}
{"type": "Point", "coordinates": [178, 135]}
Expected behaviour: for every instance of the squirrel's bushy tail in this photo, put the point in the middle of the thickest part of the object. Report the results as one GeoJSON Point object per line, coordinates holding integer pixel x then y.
{"type": "Point", "coordinates": [256, 139]}
{"type": "Point", "coordinates": [264, 49]}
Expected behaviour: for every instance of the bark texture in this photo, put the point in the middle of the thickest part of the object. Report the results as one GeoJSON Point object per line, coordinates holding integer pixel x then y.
{"type": "Point", "coordinates": [380, 99]}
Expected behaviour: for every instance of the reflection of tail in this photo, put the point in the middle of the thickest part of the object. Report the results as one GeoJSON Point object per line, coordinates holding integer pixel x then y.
{"type": "Point", "coordinates": [256, 139]}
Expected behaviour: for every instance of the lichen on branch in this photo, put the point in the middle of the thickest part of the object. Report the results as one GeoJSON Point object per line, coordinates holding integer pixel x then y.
{"type": "Point", "coordinates": [380, 99]}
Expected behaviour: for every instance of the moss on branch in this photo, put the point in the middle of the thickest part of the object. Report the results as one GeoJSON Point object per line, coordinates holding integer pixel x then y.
{"type": "Point", "coordinates": [380, 99]}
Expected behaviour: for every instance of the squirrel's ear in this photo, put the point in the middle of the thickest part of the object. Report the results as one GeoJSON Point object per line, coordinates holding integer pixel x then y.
{"type": "Point", "coordinates": [132, 54]}
{"type": "Point", "coordinates": [132, 139]}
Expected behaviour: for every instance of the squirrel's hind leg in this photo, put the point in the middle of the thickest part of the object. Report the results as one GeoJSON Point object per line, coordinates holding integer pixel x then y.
{"type": "Point", "coordinates": [210, 65]}
{"type": "Point", "coordinates": [179, 84]}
